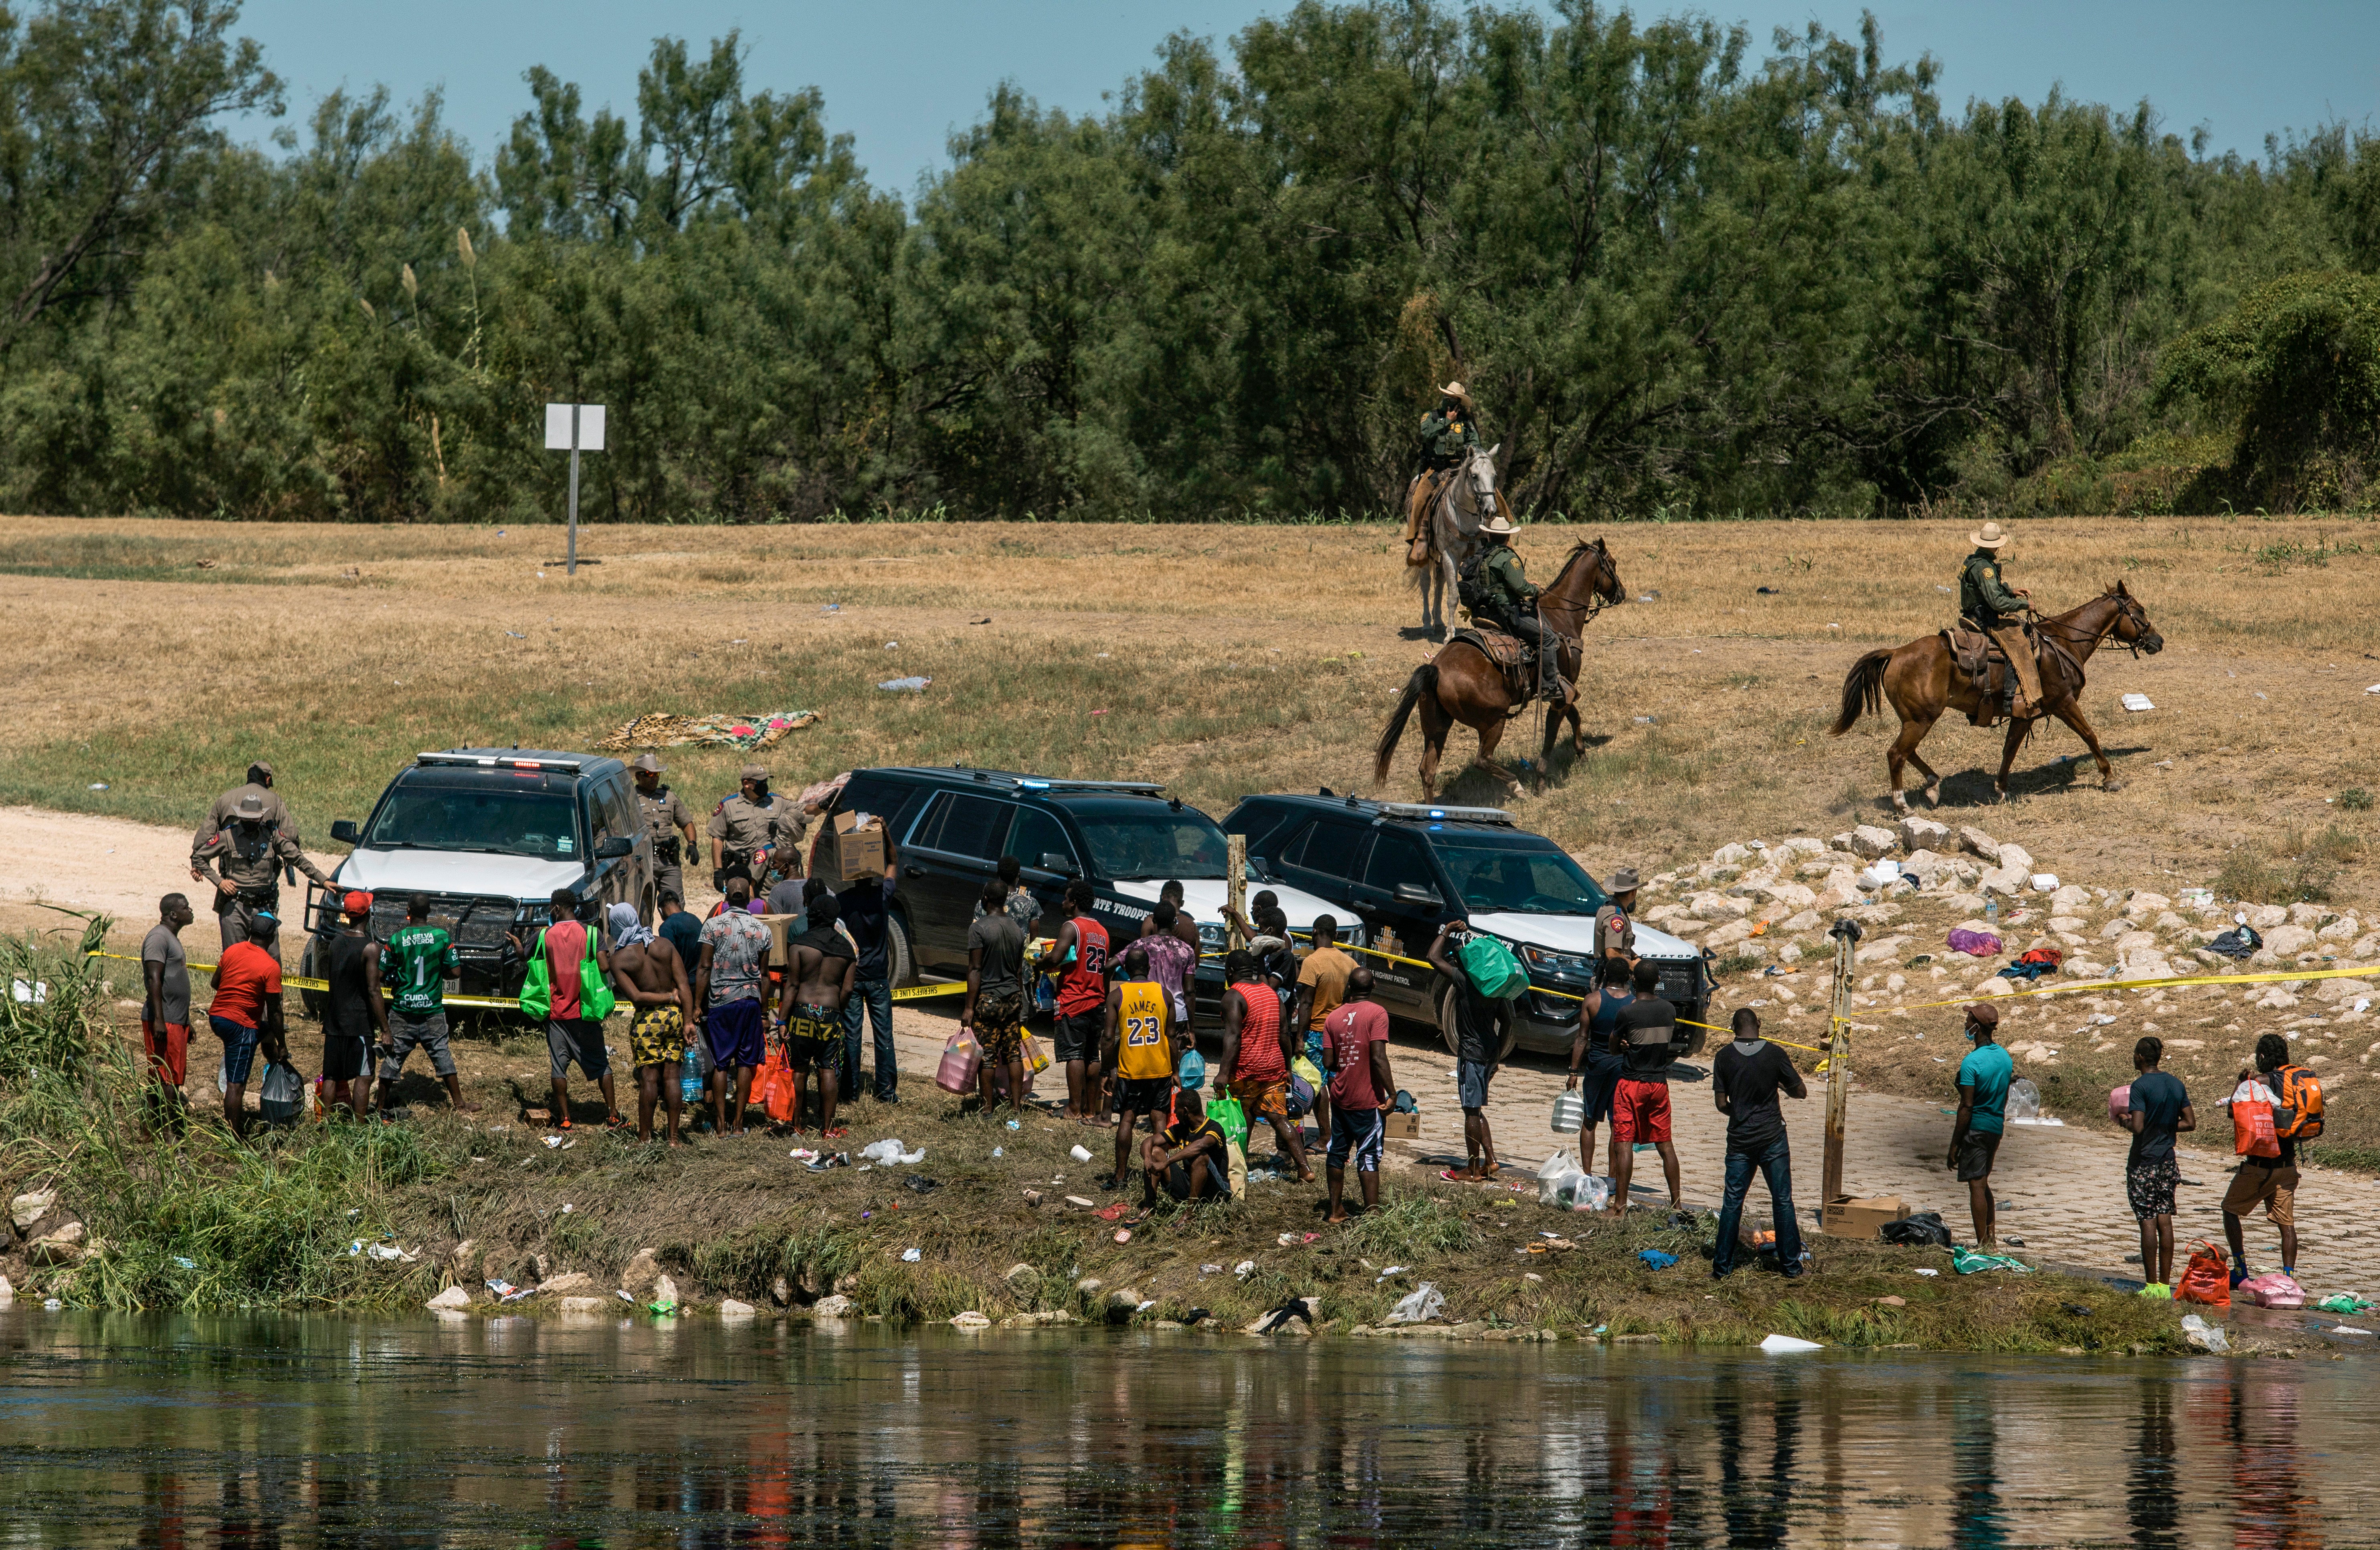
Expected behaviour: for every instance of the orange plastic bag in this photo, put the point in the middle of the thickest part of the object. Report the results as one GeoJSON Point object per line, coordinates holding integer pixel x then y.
{"type": "Point", "coordinates": [773, 1088]}
{"type": "Point", "coordinates": [2207, 1279]}
{"type": "Point", "coordinates": [2252, 1135]}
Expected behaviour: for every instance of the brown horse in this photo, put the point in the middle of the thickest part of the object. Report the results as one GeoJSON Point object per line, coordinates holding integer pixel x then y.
{"type": "Point", "coordinates": [1920, 681]}
{"type": "Point", "coordinates": [1460, 684]}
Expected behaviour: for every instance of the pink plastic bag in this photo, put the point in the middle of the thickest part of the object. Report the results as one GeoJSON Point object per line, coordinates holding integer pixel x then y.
{"type": "Point", "coordinates": [2119, 1101]}
{"type": "Point", "coordinates": [1978, 944]}
{"type": "Point", "coordinates": [2272, 1290]}
{"type": "Point", "coordinates": [960, 1058]}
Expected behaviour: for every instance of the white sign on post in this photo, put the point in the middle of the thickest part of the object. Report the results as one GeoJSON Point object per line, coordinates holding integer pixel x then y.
{"type": "Point", "coordinates": [574, 429]}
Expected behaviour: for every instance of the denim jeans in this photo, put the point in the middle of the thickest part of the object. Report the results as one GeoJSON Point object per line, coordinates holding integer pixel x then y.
{"type": "Point", "coordinates": [1776, 1165]}
{"type": "Point", "coordinates": [876, 995]}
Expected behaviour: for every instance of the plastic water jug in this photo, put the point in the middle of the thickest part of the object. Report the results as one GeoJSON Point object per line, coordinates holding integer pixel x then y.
{"type": "Point", "coordinates": [1570, 1114]}
{"type": "Point", "coordinates": [689, 1082]}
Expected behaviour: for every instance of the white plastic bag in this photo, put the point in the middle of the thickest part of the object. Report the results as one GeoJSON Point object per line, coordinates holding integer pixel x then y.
{"type": "Point", "coordinates": [2024, 1100]}
{"type": "Point", "coordinates": [1420, 1306]}
{"type": "Point", "coordinates": [1555, 1177]}
{"type": "Point", "coordinates": [887, 1152]}
{"type": "Point", "coordinates": [1590, 1192]}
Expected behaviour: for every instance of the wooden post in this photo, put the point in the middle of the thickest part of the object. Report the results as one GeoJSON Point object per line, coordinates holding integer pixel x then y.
{"type": "Point", "coordinates": [1235, 862]}
{"type": "Point", "coordinates": [1839, 1048]}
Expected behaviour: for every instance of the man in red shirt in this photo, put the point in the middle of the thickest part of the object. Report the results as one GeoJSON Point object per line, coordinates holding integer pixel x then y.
{"type": "Point", "coordinates": [1357, 1043]}
{"type": "Point", "coordinates": [1256, 1054]}
{"type": "Point", "coordinates": [570, 1035]}
{"type": "Point", "coordinates": [246, 1012]}
{"type": "Point", "coordinates": [1082, 1000]}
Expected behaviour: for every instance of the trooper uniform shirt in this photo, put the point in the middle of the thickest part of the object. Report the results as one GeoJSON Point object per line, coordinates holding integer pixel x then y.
{"type": "Point", "coordinates": [666, 820]}
{"type": "Point", "coordinates": [1982, 596]}
{"type": "Point", "coordinates": [1613, 928]}
{"type": "Point", "coordinates": [251, 857]}
{"type": "Point", "coordinates": [774, 824]}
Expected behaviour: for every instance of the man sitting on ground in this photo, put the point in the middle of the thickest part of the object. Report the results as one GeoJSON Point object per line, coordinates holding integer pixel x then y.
{"type": "Point", "coordinates": [1139, 1050]}
{"type": "Point", "coordinates": [1191, 1160]}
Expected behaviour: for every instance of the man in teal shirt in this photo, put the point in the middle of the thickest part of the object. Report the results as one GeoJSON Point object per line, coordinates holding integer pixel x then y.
{"type": "Point", "coordinates": [1975, 1135]}
{"type": "Point", "coordinates": [413, 968]}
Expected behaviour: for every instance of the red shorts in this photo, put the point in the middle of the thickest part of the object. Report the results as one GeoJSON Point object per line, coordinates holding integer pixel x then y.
{"type": "Point", "coordinates": [169, 1050]}
{"type": "Point", "coordinates": [1640, 1112]}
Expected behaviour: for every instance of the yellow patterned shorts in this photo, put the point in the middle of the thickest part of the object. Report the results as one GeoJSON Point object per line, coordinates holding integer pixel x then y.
{"type": "Point", "coordinates": [658, 1037]}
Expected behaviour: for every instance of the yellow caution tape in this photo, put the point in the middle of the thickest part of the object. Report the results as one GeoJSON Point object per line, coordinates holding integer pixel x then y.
{"type": "Point", "coordinates": [920, 992]}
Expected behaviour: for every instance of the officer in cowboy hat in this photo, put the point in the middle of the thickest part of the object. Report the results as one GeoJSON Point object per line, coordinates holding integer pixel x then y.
{"type": "Point", "coordinates": [1991, 605]}
{"type": "Point", "coordinates": [1501, 594]}
{"type": "Point", "coordinates": [755, 830]}
{"type": "Point", "coordinates": [1615, 935]}
{"type": "Point", "coordinates": [1447, 435]}
{"type": "Point", "coordinates": [668, 821]}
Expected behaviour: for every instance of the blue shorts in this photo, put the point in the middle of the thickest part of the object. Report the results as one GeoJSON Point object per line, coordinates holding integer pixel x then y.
{"type": "Point", "coordinates": [1471, 1083]}
{"type": "Point", "coordinates": [1596, 1089]}
{"type": "Point", "coordinates": [1360, 1131]}
{"type": "Point", "coordinates": [239, 1042]}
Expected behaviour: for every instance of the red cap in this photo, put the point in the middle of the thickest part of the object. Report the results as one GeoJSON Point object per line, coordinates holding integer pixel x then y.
{"type": "Point", "coordinates": [357, 902]}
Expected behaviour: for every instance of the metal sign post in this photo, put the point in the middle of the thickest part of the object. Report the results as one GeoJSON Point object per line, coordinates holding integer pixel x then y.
{"type": "Point", "coordinates": [1839, 1051]}
{"type": "Point", "coordinates": [574, 429]}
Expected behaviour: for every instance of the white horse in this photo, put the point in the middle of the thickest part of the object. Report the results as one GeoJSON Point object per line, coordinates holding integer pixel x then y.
{"type": "Point", "coordinates": [1466, 499]}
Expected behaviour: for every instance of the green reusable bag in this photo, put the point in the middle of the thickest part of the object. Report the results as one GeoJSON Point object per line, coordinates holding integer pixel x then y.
{"type": "Point", "coordinates": [1492, 969]}
{"type": "Point", "coordinates": [1230, 1118]}
{"type": "Point", "coordinates": [595, 997]}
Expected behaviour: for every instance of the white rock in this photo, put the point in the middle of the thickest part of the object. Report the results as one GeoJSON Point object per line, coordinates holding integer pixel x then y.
{"type": "Point", "coordinates": [970, 1320]}
{"type": "Point", "coordinates": [1922, 864]}
{"type": "Point", "coordinates": [1090, 1285]}
{"type": "Point", "coordinates": [1840, 842]}
{"type": "Point", "coordinates": [2305, 915]}
{"type": "Point", "coordinates": [2135, 942]}
{"type": "Point", "coordinates": [2265, 918]}
{"type": "Point", "coordinates": [1995, 986]}
{"type": "Point", "coordinates": [1980, 844]}
{"type": "Point", "coordinates": [2366, 946]}
{"type": "Point", "coordinates": [1790, 953]}
{"type": "Point", "coordinates": [453, 1297]}
{"type": "Point", "coordinates": [837, 1306]}
{"type": "Point", "coordinates": [2070, 898]}
{"type": "Point", "coordinates": [2004, 880]}
{"type": "Point", "coordinates": [1730, 855]}
{"type": "Point", "coordinates": [7, 1292]}
{"type": "Point", "coordinates": [584, 1306]}
{"type": "Point", "coordinates": [2344, 929]}
{"type": "Point", "coordinates": [2286, 939]}
{"type": "Point", "coordinates": [1869, 842]}
{"type": "Point", "coordinates": [1808, 920]}
{"type": "Point", "coordinates": [1718, 906]}
{"type": "Point", "coordinates": [1790, 896]}
{"type": "Point", "coordinates": [2068, 923]}
{"type": "Point", "coordinates": [730, 1308]}
{"type": "Point", "coordinates": [2014, 857]}
{"type": "Point", "coordinates": [664, 1290]}
{"type": "Point", "coordinates": [1020, 1272]}
{"type": "Point", "coordinates": [1895, 984]}
{"type": "Point", "coordinates": [1728, 935]}
{"type": "Point", "coordinates": [1924, 834]}
{"type": "Point", "coordinates": [30, 1207]}
{"type": "Point", "coordinates": [2142, 901]}
{"type": "Point", "coordinates": [2168, 921]}
{"type": "Point", "coordinates": [1802, 845]}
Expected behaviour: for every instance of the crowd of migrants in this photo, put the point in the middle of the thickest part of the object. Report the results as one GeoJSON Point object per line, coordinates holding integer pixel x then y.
{"type": "Point", "coordinates": [1301, 1033]}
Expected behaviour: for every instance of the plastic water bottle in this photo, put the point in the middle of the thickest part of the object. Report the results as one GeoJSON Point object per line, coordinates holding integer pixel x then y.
{"type": "Point", "coordinates": [689, 1082]}
{"type": "Point", "coordinates": [1992, 908]}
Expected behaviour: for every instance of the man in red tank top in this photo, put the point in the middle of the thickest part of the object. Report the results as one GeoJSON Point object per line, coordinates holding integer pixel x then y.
{"type": "Point", "coordinates": [1080, 956]}
{"type": "Point", "coordinates": [1257, 1054]}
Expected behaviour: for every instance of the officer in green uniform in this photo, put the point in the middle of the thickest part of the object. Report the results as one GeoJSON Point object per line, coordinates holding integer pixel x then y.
{"type": "Point", "coordinates": [251, 852]}
{"type": "Point", "coordinates": [1503, 596]}
{"type": "Point", "coordinates": [1991, 605]}
{"type": "Point", "coordinates": [1447, 435]}
{"type": "Point", "coordinates": [756, 819]}
{"type": "Point", "coordinates": [667, 820]}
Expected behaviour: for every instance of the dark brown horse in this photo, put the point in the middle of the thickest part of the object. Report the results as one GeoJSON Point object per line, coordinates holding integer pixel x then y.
{"type": "Point", "coordinates": [1460, 684]}
{"type": "Point", "coordinates": [1920, 680]}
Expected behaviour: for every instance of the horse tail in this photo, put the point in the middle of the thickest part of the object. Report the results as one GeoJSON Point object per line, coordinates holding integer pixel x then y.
{"type": "Point", "coordinates": [1862, 690]}
{"type": "Point", "coordinates": [1423, 681]}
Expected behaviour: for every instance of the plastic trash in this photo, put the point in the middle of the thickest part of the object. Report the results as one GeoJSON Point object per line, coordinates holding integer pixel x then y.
{"type": "Point", "coordinates": [914, 684]}
{"type": "Point", "coordinates": [2119, 1100]}
{"type": "Point", "coordinates": [1968, 1262]}
{"type": "Point", "coordinates": [1975, 944]}
{"type": "Point", "coordinates": [2345, 1302]}
{"type": "Point", "coordinates": [888, 1153]}
{"type": "Point", "coordinates": [2137, 702]}
{"type": "Point", "coordinates": [1777, 1345]}
{"type": "Point", "coordinates": [1000, 1151]}
{"type": "Point", "coordinates": [1657, 1259]}
{"type": "Point", "coordinates": [1418, 1306]}
{"type": "Point", "coordinates": [2045, 882]}
{"type": "Point", "coordinates": [1922, 1270]}
{"type": "Point", "coordinates": [1570, 1114]}
{"type": "Point", "coordinates": [1079, 1153]}
{"type": "Point", "coordinates": [2347, 1329]}
{"type": "Point", "coordinates": [391, 1252]}
{"type": "Point", "coordinates": [2272, 1290]}
{"type": "Point", "coordinates": [1192, 1073]}
{"type": "Point", "coordinates": [283, 1095]}
{"type": "Point", "coordinates": [2024, 1099]}
{"type": "Point", "coordinates": [689, 1078]}
{"type": "Point", "coordinates": [2203, 1335]}
{"type": "Point", "coordinates": [1392, 1270]}
{"type": "Point", "coordinates": [1244, 1269]}
{"type": "Point", "coordinates": [911, 1256]}
{"type": "Point", "coordinates": [35, 994]}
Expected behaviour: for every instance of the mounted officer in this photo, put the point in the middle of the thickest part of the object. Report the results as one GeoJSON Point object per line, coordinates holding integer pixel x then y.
{"type": "Point", "coordinates": [1448, 435]}
{"type": "Point", "coordinates": [667, 820]}
{"type": "Point", "coordinates": [1989, 604]}
{"type": "Point", "coordinates": [1495, 588]}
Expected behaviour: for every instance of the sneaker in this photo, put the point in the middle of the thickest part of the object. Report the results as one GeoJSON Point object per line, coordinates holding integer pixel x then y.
{"type": "Point", "coordinates": [2239, 1275]}
{"type": "Point", "coordinates": [2156, 1291]}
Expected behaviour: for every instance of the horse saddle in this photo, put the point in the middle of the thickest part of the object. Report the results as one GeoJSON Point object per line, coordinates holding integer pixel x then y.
{"type": "Point", "coordinates": [1513, 659]}
{"type": "Point", "coordinates": [1977, 658]}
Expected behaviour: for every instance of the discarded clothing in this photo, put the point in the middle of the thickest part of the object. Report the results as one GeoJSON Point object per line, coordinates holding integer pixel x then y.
{"type": "Point", "coordinates": [2239, 942]}
{"type": "Point", "coordinates": [1979, 944]}
{"type": "Point", "coordinates": [661, 730]}
{"type": "Point", "coordinates": [2033, 965]}
{"type": "Point", "coordinates": [1967, 1262]}
{"type": "Point", "coordinates": [1923, 1230]}
{"type": "Point", "coordinates": [1657, 1259]}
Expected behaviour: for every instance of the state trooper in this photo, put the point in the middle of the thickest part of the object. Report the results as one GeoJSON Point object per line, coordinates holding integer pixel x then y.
{"type": "Point", "coordinates": [668, 821]}
{"type": "Point", "coordinates": [250, 851]}
{"type": "Point", "coordinates": [754, 829]}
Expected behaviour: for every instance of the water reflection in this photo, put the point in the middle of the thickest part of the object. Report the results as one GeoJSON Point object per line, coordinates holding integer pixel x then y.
{"type": "Point", "coordinates": [264, 1432]}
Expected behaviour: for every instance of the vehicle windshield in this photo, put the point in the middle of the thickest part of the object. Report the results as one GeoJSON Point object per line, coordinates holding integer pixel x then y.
{"type": "Point", "coordinates": [1154, 846]}
{"type": "Point", "coordinates": [531, 821]}
{"type": "Point", "coordinates": [1502, 873]}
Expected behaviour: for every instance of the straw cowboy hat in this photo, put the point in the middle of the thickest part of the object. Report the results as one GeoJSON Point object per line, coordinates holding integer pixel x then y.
{"type": "Point", "coordinates": [1991, 536]}
{"type": "Point", "coordinates": [1499, 525]}
{"type": "Point", "coordinates": [1454, 391]}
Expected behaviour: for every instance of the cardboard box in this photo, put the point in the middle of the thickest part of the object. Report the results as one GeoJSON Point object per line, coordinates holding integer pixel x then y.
{"type": "Point", "coordinates": [859, 850]}
{"type": "Point", "coordinates": [1401, 1127]}
{"type": "Point", "coordinates": [783, 928]}
{"type": "Point", "coordinates": [1850, 1217]}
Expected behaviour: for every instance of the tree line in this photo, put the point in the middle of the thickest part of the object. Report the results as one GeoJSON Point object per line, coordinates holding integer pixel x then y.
{"type": "Point", "coordinates": [1683, 275]}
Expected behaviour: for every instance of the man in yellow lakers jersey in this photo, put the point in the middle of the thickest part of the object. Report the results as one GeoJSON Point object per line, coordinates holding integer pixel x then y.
{"type": "Point", "coordinates": [1140, 1049]}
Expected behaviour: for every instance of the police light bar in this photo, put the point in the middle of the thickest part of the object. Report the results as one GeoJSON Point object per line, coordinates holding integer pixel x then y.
{"type": "Point", "coordinates": [1456, 814]}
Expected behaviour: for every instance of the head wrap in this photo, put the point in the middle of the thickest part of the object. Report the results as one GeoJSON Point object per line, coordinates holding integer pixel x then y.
{"type": "Point", "coordinates": [627, 929]}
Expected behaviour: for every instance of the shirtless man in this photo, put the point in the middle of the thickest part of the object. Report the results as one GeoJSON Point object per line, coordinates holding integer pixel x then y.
{"type": "Point", "coordinates": [649, 973]}
{"type": "Point", "coordinates": [817, 983]}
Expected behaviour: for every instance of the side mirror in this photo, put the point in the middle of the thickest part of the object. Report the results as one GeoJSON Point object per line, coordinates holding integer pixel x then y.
{"type": "Point", "coordinates": [614, 848]}
{"type": "Point", "coordinates": [1416, 893]}
{"type": "Point", "coordinates": [345, 832]}
{"type": "Point", "coordinates": [1053, 861]}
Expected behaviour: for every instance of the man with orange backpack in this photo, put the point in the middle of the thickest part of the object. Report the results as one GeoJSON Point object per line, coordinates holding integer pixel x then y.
{"type": "Point", "coordinates": [2295, 1095]}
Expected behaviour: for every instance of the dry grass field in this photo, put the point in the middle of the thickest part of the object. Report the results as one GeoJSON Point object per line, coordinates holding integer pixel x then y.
{"type": "Point", "coordinates": [156, 657]}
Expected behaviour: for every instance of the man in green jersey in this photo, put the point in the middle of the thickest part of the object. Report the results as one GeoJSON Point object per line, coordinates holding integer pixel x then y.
{"type": "Point", "coordinates": [412, 969]}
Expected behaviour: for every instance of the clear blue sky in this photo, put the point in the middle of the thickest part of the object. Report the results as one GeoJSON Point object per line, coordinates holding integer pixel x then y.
{"type": "Point", "coordinates": [900, 74]}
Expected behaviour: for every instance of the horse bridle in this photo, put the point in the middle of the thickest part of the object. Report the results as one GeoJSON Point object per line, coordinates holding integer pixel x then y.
{"type": "Point", "coordinates": [1594, 603]}
{"type": "Point", "coordinates": [2127, 608]}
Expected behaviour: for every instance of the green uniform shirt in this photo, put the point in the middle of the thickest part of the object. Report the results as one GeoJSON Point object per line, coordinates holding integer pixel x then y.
{"type": "Point", "coordinates": [1982, 596]}
{"type": "Point", "coordinates": [1444, 437]}
{"type": "Point", "coordinates": [414, 966]}
{"type": "Point", "coordinates": [1504, 581]}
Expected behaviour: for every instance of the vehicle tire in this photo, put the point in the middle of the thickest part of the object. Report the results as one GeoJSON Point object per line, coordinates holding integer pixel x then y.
{"type": "Point", "coordinates": [900, 963]}
{"type": "Point", "coordinates": [1447, 1030]}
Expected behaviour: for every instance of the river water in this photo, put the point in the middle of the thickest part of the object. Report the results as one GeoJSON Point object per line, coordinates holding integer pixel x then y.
{"type": "Point", "coordinates": [272, 1431]}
